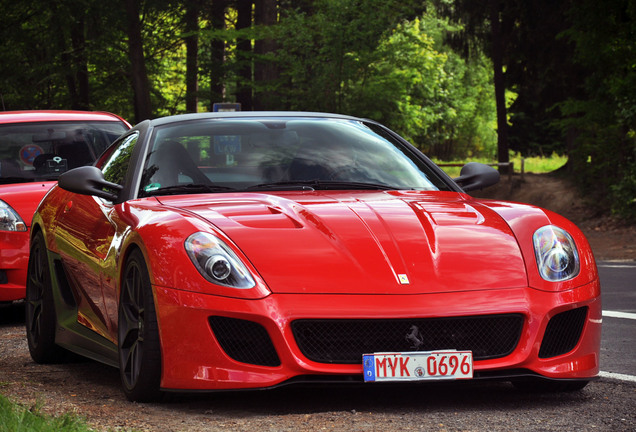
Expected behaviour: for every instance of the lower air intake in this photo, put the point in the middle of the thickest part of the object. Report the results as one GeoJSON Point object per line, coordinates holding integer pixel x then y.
{"type": "Point", "coordinates": [345, 341]}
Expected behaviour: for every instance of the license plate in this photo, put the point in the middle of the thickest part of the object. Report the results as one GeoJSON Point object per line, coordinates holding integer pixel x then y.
{"type": "Point", "coordinates": [417, 366]}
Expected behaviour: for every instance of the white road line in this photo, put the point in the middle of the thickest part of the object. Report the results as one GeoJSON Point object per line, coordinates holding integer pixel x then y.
{"type": "Point", "coordinates": [617, 376]}
{"type": "Point", "coordinates": [614, 314]}
{"type": "Point", "coordinates": [616, 264]}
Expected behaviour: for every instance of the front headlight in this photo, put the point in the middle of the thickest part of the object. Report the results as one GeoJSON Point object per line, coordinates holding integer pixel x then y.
{"type": "Point", "coordinates": [10, 220]}
{"type": "Point", "coordinates": [556, 254]}
{"type": "Point", "coordinates": [217, 262]}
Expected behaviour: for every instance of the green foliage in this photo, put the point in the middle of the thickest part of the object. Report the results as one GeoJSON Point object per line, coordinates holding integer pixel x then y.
{"type": "Point", "coordinates": [624, 194]}
{"type": "Point", "coordinates": [541, 71]}
{"type": "Point", "coordinates": [341, 60]}
{"type": "Point", "coordinates": [538, 164]}
{"type": "Point", "coordinates": [569, 67]}
{"type": "Point", "coordinates": [533, 164]}
{"type": "Point", "coordinates": [14, 418]}
{"type": "Point", "coordinates": [322, 54]}
{"type": "Point", "coordinates": [602, 120]}
{"type": "Point", "coordinates": [444, 104]}
{"type": "Point", "coordinates": [49, 47]}
{"type": "Point", "coordinates": [28, 48]}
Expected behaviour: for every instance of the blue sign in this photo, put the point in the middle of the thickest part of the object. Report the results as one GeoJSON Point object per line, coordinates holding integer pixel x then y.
{"type": "Point", "coordinates": [226, 107]}
{"type": "Point", "coordinates": [227, 144]}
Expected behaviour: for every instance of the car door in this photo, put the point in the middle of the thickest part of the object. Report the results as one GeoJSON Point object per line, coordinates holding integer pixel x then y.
{"type": "Point", "coordinates": [83, 235]}
{"type": "Point", "coordinates": [87, 237]}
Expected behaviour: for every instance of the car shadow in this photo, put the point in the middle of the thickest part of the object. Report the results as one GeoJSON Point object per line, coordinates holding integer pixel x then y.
{"type": "Point", "coordinates": [456, 396]}
{"type": "Point", "coordinates": [12, 313]}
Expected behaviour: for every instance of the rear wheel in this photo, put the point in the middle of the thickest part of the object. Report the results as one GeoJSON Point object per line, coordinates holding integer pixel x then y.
{"type": "Point", "coordinates": [138, 334]}
{"type": "Point", "coordinates": [40, 307]}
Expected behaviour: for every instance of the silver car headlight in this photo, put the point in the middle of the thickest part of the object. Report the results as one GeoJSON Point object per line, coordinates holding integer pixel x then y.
{"type": "Point", "coordinates": [217, 262]}
{"type": "Point", "coordinates": [556, 254]}
{"type": "Point", "coordinates": [10, 220]}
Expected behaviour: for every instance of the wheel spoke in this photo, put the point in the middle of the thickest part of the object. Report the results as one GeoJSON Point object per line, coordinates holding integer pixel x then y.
{"type": "Point", "coordinates": [34, 295]}
{"type": "Point", "coordinates": [35, 326]}
{"type": "Point", "coordinates": [131, 325]}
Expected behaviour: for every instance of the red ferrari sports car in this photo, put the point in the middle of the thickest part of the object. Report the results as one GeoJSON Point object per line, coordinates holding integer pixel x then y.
{"type": "Point", "coordinates": [35, 147]}
{"type": "Point", "coordinates": [250, 250]}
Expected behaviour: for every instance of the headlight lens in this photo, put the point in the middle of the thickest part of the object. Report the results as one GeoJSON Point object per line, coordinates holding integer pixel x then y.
{"type": "Point", "coordinates": [10, 220]}
{"type": "Point", "coordinates": [216, 261]}
{"type": "Point", "coordinates": [556, 254]}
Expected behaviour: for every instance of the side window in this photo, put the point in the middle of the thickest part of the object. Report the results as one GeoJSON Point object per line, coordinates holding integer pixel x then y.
{"type": "Point", "coordinates": [116, 164]}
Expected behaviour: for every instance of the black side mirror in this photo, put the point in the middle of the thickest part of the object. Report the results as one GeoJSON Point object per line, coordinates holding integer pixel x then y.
{"type": "Point", "coordinates": [89, 180]}
{"type": "Point", "coordinates": [476, 175]}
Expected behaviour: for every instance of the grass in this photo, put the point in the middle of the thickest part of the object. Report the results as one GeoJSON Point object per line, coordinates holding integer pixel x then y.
{"type": "Point", "coordinates": [15, 418]}
{"type": "Point", "coordinates": [535, 164]}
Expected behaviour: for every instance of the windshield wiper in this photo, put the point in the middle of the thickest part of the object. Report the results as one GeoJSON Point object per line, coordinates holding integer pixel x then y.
{"type": "Point", "coordinates": [319, 184]}
{"type": "Point", "coordinates": [188, 189]}
{"type": "Point", "coordinates": [307, 185]}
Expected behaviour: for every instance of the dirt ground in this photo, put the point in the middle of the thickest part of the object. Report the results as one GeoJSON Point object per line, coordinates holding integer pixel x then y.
{"type": "Point", "coordinates": [93, 391]}
{"type": "Point", "coordinates": [610, 238]}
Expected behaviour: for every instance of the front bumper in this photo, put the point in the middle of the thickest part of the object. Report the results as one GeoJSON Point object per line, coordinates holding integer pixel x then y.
{"type": "Point", "coordinates": [193, 357]}
{"type": "Point", "coordinates": [14, 259]}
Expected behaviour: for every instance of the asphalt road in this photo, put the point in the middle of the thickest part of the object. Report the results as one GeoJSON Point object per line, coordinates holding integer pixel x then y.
{"type": "Point", "coordinates": [618, 342]}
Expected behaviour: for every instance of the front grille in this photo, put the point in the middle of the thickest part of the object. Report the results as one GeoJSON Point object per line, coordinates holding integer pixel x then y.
{"type": "Point", "coordinates": [3, 277]}
{"type": "Point", "coordinates": [563, 333]}
{"type": "Point", "coordinates": [244, 341]}
{"type": "Point", "coordinates": [344, 341]}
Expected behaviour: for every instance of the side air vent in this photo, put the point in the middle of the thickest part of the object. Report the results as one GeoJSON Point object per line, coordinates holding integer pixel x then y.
{"type": "Point", "coordinates": [63, 284]}
{"type": "Point", "coordinates": [563, 333]}
{"type": "Point", "coordinates": [244, 341]}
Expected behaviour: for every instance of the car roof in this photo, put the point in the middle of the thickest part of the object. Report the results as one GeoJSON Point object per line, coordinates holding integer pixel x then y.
{"type": "Point", "coordinates": [56, 115]}
{"type": "Point", "coordinates": [246, 114]}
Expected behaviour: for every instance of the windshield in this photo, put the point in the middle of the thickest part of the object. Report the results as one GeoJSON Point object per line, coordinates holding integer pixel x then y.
{"type": "Point", "coordinates": [44, 150]}
{"type": "Point", "coordinates": [280, 154]}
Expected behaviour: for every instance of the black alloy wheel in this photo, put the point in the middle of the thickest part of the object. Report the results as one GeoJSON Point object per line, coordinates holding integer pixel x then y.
{"type": "Point", "coordinates": [40, 307]}
{"type": "Point", "coordinates": [138, 334]}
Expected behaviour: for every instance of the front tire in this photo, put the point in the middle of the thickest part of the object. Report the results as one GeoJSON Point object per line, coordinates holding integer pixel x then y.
{"type": "Point", "coordinates": [138, 334]}
{"type": "Point", "coordinates": [40, 317]}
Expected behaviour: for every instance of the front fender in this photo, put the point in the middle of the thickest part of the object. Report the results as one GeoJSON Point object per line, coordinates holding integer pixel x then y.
{"type": "Point", "coordinates": [160, 233]}
{"type": "Point", "coordinates": [524, 220]}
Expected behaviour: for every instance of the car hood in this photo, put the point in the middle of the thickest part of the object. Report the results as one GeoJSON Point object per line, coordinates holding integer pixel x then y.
{"type": "Point", "coordinates": [25, 197]}
{"type": "Point", "coordinates": [367, 242]}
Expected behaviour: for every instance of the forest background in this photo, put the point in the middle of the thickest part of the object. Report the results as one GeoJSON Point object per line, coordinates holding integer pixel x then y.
{"type": "Point", "coordinates": [458, 78]}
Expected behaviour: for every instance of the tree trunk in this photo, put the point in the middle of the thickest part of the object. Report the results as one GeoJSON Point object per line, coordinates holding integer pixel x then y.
{"type": "Point", "coordinates": [67, 62]}
{"type": "Point", "coordinates": [216, 17]}
{"type": "Point", "coordinates": [192, 55]}
{"type": "Point", "coordinates": [139, 76]}
{"type": "Point", "coordinates": [265, 72]}
{"type": "Point", "coordinates": [68, 70]}
{"type": "Point", "coordinates": [500, 86]}
{"type": "Point", "coordinates": [80, 61]}
{"type": "Point", "coordinates": [244, 56]}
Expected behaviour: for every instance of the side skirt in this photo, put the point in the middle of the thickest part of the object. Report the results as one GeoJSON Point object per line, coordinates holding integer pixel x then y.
{"type": "Point", "coordinates": [70, 334]}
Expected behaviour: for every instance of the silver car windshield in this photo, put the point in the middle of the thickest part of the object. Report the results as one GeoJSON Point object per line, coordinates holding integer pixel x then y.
{"type": "Point", "coordinates": [280, 153]}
